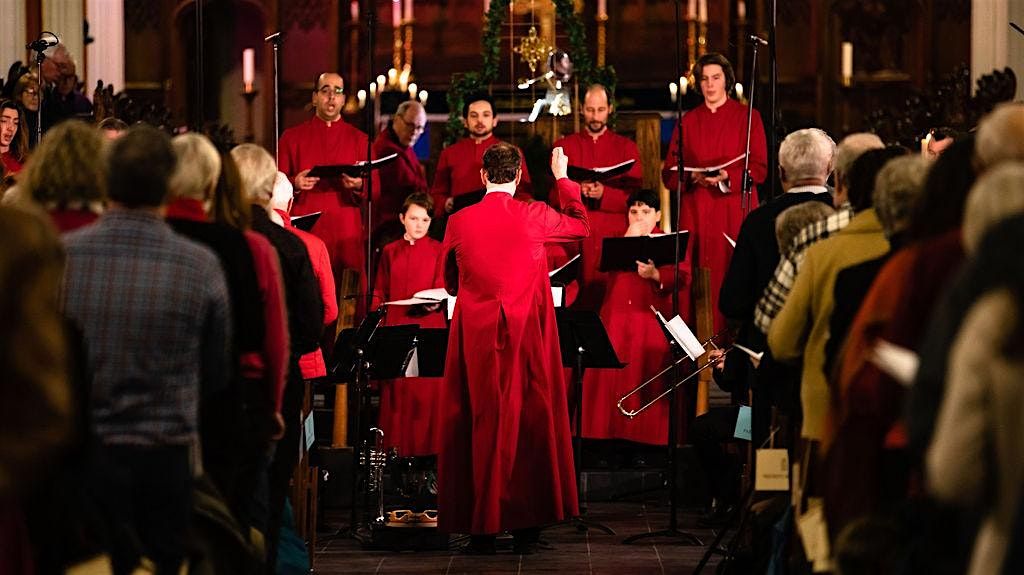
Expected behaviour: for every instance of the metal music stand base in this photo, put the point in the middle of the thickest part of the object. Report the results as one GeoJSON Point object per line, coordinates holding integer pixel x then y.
{"type": "Point", "coordinates": [671, 532]}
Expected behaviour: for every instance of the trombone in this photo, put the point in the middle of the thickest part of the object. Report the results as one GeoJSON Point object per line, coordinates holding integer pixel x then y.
{"type": "Point", "coordinates": [710, 341]}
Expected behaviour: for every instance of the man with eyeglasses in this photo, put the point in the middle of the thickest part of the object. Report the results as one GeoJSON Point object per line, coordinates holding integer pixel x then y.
{"type": "Point", "coordinates": [326, 139]}
{"type": "Point", "coordinates": [401, 178]}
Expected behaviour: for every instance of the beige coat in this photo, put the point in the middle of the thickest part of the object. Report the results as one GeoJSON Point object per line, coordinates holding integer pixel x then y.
{"type": "Point", "coordinates": [802, 326]}
{"type": "Point", "coordinates": [979, 438]}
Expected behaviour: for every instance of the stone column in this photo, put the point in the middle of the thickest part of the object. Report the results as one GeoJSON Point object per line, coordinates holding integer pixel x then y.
{"type": "Point", "coordinates": [105, 56]}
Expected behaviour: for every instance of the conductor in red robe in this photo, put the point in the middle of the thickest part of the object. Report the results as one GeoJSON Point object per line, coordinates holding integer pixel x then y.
{"type": "Point", "coordinates": [458, 168]}
{"type": "Point", "coordinates": [408, 406]}
{"type": "Point", "coordinates": [326, 139]}
{"type": "Point", "coordinates": [714, 133]}
{"type": "Point", "coordinates": [596, 147]}
{"type": "Point", "coordinates": [401, 178]}
{"type": "Point", "coordinates": [505, 459]}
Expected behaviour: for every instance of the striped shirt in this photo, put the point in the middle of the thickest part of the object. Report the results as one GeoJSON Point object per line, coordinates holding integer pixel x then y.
{"type": "Point", "coordinates": [779, 286]}
{"type": "Point", "coordinates": [153, 308]}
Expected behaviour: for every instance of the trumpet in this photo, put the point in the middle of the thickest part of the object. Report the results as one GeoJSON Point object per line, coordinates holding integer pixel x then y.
{"type": "Point", "coordinates": [700, 368]}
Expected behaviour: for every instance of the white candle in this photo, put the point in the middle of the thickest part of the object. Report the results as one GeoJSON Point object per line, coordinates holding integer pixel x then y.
{"type": "Point", "coordinates": [248, 69]}
{"type": "Point", "coordinates": [373, 89]}
{"type": "Point", "coordinates": [683, 84]}
{"type": "Point", "coordinates": [354, 10]}
{"type": "Point", "coordinates": [741, 10]}
{"type": "Point", "coordinates": [673, 91]}
{"type": "Point", "coordinates": [408, 10]}
{"type": "Point", "coordinates": [412, 91]}
{"type": "Point", "coordinates": [487, 7]}
{"type": "Point", "coordinates": [702, 10]}
{"type": "Point", "coordinates": [602, 8]}
{"type": "Point", "coordinates": [847, 64]}
{"type": "Point", "coordinates": [691, 10]}
{"type": "Point", "coordinates": [403, 78]}
{"type": "Point", "coordinates": [396, 13]}
{"type": "Point", "coordinates": [739, 91]}
{"type": "Point", "coordinates": [361, 96]}
{"type": "Point", "coordinates": [423, 97]}
{"type": "Point", "coordinates": [924, 144]}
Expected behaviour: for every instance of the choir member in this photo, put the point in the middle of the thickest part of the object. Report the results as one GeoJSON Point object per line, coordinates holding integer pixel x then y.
{"type": "Point", "coordinates": [458, 168]}
{"type": "Point", "coordinates": [326, 139]}
{"type": "Point", "coordinates": [505, 459]}
{"type": "Point", "coordinates": [595, 147]}
{"type": "Point", "coordinates": [408, 406]}
{"type": "Point", "coordinates": [637, 339]}
{"type": "Point", "coordinates": [714, 133]}
{"type": "Point", "coordinates": [13, 138]}
{"type": "Point", "coordinates": [401, 178]}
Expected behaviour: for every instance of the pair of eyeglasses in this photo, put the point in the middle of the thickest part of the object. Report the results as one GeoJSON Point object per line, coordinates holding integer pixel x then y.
{"type": "Point", "coordinates": [327, 90]}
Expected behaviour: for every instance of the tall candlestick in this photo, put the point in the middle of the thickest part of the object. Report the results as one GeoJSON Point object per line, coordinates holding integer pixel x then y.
{"type": "Point", "coordinates": [847, 63]}
{"type": "Point", "coordinates": [691, 10]}
{"type": "Point", "coordinates": [353, 10]}
{"type": "Point", "coordinates": [408, 11]}
{"type": "Point", "coordinates": [396, 13]}
{"type": "Point", "coordinates": [487, 7]}
{"type": "Point", "coordinates": [248, 68]}
{"type": "Point", "coordinates": [741, 10]}
{"type": "Point", "coordinates": [702, 10]}
{"type": "Point", "coordinates": [602, 8]}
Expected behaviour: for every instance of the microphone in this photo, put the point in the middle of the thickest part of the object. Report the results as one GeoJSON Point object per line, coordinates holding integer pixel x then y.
{"type": "Point", "coordinates": [758, 39]}
{"type": "Point", "coordinates": [46, 40]}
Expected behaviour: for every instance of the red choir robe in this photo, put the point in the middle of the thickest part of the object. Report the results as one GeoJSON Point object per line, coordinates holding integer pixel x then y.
{"type": "Point", "coordinates": [397, 180]}
{"type": "Point", "coordinates": [409, 406]}
{"type": "Point", "coordinates": [640, 343]}
{"type": "Point", "coordinates": [315, 143]}
{"type": "Point", "coordinates": [709, 139]}
{"type": "Point", "coordinates": [607, 215]}
{"type": "Point", "coordinates": [458, 172]}
{"type": "Point", "coordinates": [312, 364]}
{"type": "Point", "coordinates": [10, 164]}
{"type": "Point", "coordinates": [505, 457]}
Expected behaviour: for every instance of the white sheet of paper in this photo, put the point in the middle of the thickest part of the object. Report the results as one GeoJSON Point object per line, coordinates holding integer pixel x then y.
{"type": "Point", "coordinates": [772, 470]}
{"type": "Point", "coordinates": [813, 531]}
{"type": "Point", "coordinates": [556, 295]}
{"type": "Point", "coordinates": [896, 361]}
{"type": "Point", "coordinates": [309, 429]}
{"type": "Point", "coordinates": [411, 301]}
{"type": "Point", "coordinates": [753, 354]}
{"type": "Point", "coordinates": [709, 168]}
{"type": "Point", "coordinates": [685, 338]}
{"type": "Point", "coordinates": [413, 369]}
{"type": "Point", "coordinates": [561, 267]}
{"type": "Point", "coordinates": [743, 423]}
{"type": "Point", "coordinates": [731, 241]}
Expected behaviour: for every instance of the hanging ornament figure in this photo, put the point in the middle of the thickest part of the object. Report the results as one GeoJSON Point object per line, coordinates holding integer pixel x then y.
{"type": "Point", "coordinates": [556, 98]}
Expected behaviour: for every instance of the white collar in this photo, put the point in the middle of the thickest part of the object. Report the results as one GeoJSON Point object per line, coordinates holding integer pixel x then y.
{"type": "Point", "coordinates": [502, 188]}
{"type": "Point", "coordinates": [813, 188]}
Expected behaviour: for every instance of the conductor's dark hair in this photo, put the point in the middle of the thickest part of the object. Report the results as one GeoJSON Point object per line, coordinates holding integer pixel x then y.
{"type": "Point", "coordinates": [863, 172]}
{"type": "Point", "coordinates": [479, 97]}
{"type": "Point", "coordinates": [714, 58]}
{"type": "Point", "coordinates": [645, 196]}
{"type": "Point", "coordinates": [139, 166]}
{"type": "Point", "coordinates": [501, 163]}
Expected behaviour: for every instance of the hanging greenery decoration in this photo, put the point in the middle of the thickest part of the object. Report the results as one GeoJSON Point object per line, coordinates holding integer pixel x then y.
{"type": "Point", "coordinates": [468, 83]}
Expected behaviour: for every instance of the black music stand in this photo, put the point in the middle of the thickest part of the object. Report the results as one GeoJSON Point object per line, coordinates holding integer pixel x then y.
{"type": "Point", "coordinates": [584, 343]}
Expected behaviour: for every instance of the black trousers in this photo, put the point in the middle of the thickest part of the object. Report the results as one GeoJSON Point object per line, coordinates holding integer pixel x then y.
{"type": "Point", "coordinates": [282, 465]}
{"type": "Point", "coordinates": [707, 434]}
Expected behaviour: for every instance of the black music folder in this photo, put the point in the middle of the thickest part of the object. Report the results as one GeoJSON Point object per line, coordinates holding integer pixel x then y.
{"type": "Point", "coordinates": [578, 174]}
{"type": "Point", "coordinates": [306, 222]}
{"type": "Point", "coordinates": [356, 170]}
{"type": "Point", "coordinates": [621, 254]}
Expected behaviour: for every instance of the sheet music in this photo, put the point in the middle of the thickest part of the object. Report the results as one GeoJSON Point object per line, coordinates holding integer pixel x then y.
{"type": "Point", "coordinates": [753, 354]}
{"type": "Point", "coordinates": [682, 334]}
{"type": "Point", "coordinates": [710, 168]}
{"type": "Point", "coordinates": [563, 266]}
{"type": "Point", "coordinates": [896, 361]}
{"type": "Point", "coordinates": [731, 241]}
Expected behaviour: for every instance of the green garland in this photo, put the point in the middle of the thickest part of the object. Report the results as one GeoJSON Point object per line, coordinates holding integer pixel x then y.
{"type": "Point", "coordinates": [474, 82]}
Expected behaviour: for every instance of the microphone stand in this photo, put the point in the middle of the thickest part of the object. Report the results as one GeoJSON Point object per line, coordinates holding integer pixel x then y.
{"type": "Point", "coordinates": [275, 41]}
{"type": "Point", "coordinates": [772, 93]}
{"type": "Point", "coordinates": [672, 530]}
{"type": "Point", "coordinates": [371, 24]}
{"type": "Point", "coordinates": [200, 112]}
{"type": "Point", "coordinates": [755, 41]}
{"type": "Point", "coordinates": [40, 56]}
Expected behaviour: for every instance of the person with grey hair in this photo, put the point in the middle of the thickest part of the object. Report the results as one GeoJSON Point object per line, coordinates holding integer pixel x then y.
{"type": "Point", "coordinates": [805, 162]}
{"type": "Point", "coordinates": [1000, 136]}
{"type": "Point", "coordinates": [897, 187]}
{"type": "Point", "coordinates": [305, 313]}
{"type": "Point", "coordinates": [849, 149]}
{"type": "Point", "coordinates": [402, 177]}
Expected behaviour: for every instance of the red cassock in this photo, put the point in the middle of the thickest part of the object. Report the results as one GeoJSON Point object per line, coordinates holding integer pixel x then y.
{"type": "Point", "coordinates": [608, 214]}
{"type": "Point", "coordinates": [398, 179]}
{"type": "Point", "coordinates": [409, 406]}
{"type": "Point", "coordinates": [458, 172]}
{"type": "Point", "coordinates": [505, 459]}
{"type": "Point", "coordinates": [316, 143]}
{"type": "Point", "coordinates": [640, 343]}
{"type": "Point", "coordinates": [713, 138]}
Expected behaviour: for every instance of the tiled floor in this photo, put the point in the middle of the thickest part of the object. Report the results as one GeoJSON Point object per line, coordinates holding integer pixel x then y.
{"type": "Point", "coordinates": [574, 551]}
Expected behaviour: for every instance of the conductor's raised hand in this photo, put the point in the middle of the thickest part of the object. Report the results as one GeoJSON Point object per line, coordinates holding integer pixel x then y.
{"type": "Point", "coordinates": [303, 182]}
{"type": "Point", "coordinates": [559, 163]}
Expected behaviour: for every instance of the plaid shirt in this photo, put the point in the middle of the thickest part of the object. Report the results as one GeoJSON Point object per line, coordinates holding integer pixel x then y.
{"type": "Point", "coordinates": [779, 286]}
{"type": "Point", "coordinates": [153, 307]}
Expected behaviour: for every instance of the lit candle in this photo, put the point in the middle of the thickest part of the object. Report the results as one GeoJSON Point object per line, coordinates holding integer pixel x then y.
{"type": "Point", "coordinates": [423, 97]}
{"type": "Point", "coordinates": [691, 10]}
{"type": "Point", "coordinates": [847, 64]}
{"type": "Point", "coordinates": [248, 69]}
{"type": "Point", "coordinates": [741, 10]}
{"type": "Point", "coordinates": [487, 7]}
{"type": "Point", "coordinates": [924, 144]}
{"type": "Point", "coordinates": [396, 13]}
{"type": "Point", "coordinates": [673, 91]}
{"type": "Point", "coordinates": [739, 91]}
{"type": "Point", "coordinates": [361, 96]}
{"type": "Point", "coordinates": [702, 10]}
{"type": "Point", "coordinates": [602, 8]}
{"type": "Point", "coordinates": [373, 89]}
{"type": "Point", "coordinates": [683, 84]}
{"type": "Point", "coordinates": [412, 91]}
{"type": "Point", "coordinates": [403, 78]}
{"type": "Point", "coordinates": [354, 10]}
{"type": "Point", "coordinates": [392, 77]}
{"type": "Point", "coordinates": [408, 10]}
